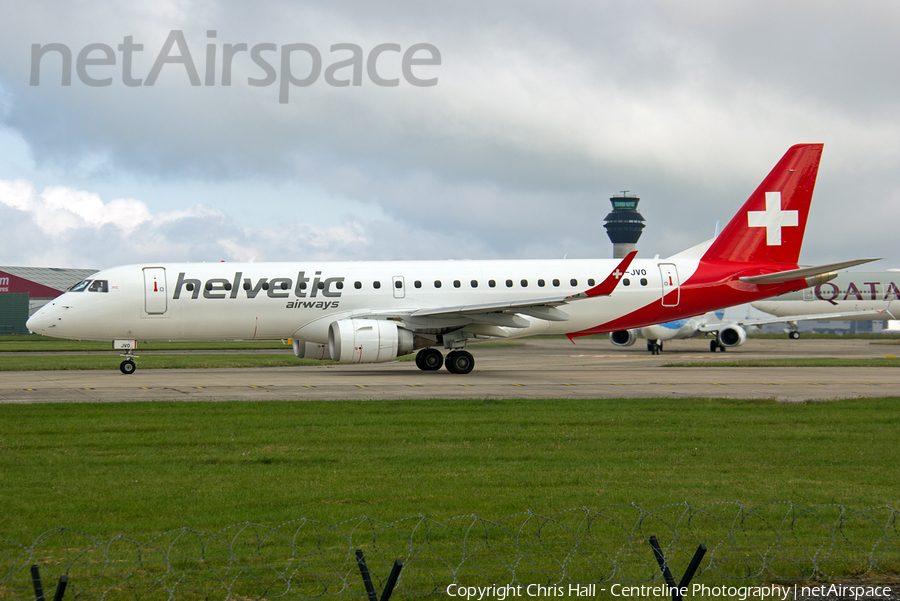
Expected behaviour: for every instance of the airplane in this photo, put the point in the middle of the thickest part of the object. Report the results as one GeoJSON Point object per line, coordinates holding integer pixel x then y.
{"type": "Point", "coordinates": [867, 295]}
{"type": "Point", "coordinates": [370, 312]}
{"type": "Point", "coordinates": [726, 333]}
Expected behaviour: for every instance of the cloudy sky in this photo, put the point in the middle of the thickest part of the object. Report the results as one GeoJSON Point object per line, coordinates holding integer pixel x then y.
{"type": "Point", "coordinates": [539, 113]}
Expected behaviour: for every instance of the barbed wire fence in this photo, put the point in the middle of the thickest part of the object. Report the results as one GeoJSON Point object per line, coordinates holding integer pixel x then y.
{"type": "Point", "coordinates": [307, 559]}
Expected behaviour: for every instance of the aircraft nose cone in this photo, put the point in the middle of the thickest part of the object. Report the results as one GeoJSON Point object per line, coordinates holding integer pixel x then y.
{"type": "Point", "coordinates": [36, 323]}
{"type": "Point", "coordinates": [40, 322]}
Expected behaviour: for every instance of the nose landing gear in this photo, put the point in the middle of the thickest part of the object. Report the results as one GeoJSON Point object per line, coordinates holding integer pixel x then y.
{"type": "Point", "coordinates": [128, 366]}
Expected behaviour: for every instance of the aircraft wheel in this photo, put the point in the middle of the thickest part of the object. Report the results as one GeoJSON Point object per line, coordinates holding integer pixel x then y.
{"type": "Point", "coordinates": [722, 347]}
{"type": "Point", "coordinates": [127, 367]}
{"type": "Point", "coordinates": [794, 335]}
{"type": "Point", "coordinates": [429, 359]}
{"type": "Point", "coordinates": [459, 362]}
{"type": "Point", "coordinates": [713, 346]}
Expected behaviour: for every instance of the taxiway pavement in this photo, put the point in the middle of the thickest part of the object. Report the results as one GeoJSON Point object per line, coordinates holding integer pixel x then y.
{"type": "Point", "coordinates": [533, 368]}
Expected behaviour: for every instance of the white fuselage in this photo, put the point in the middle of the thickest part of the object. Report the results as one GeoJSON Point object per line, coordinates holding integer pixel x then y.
{"type": "Point", "coordinates": [848, 292]}
{"type": "Point", "coordinates": [224, 301]}
{"type": "Point", "coordinates": [681, 328]}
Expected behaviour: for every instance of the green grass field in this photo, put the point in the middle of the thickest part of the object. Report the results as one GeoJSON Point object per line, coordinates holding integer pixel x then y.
{"type": "Point", "coordinates": [33, 343]}
{"type": "Point", "coordinates": [144, 468]}
{"type": "Point", "coordinates": [149, 361]}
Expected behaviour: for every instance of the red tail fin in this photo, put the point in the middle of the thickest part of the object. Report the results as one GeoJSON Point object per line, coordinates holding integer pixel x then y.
{"type": "Point", "coordinates": [769, 227]}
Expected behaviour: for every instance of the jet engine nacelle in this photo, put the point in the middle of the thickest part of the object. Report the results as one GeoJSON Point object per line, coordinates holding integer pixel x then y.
{"type": "Point", "coordinates": [368, 341]}
{"type": "Point", "coordinates": [732, 336]}
{"type": "Point", "coordinates": [623, 337]}
{"type": "Point", "coordinates": [310, 350]}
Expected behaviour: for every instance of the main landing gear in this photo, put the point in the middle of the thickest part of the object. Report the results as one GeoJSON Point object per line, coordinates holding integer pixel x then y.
{"type": "Point", "coordinates": [457, 362]}
{"type": "Point", "coordinates": [715, 345]}
{"type": "Point", "coordinates": [793, 334]}
{"type": "Point", "coordinates": [654, 346]}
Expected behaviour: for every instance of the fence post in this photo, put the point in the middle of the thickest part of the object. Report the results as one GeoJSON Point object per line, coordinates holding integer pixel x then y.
{"type": "Point", "coordinates": [36, 581]}
{"type": "Point", "coordinates": [667, 574]}
{"type": "Point", "coordinates": [367, 578]}
{"type": "Point", "coordinates": [61, 588]}
{"type": "Point", "coordinates": [392, 580]}
{"type": "Point", "coordinates": [39, 588]}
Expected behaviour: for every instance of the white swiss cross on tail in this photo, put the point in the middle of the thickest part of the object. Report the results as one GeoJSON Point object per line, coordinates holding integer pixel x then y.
{"type": "Point", "coordinates": [773, 219]}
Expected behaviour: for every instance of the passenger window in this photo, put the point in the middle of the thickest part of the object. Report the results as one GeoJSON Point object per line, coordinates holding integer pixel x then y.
{"type": "Point", "coordinates": [398, 284]}
{"type": "Point", "coordinates": [524, 283]}
{"type": "Point", "coordinates": [357, 285]}
{"type": "Point", "coordinates": [437, 283]}
{"type": "Point", "coordinates": [573, 282]}
{"type": "Point", "coordinates": [590, 281]}
{"type": "Point", "coordinates": [474, 283]}
{"type": "Point", "coordinates": [418, 284]}
{"type": "Point", "coordinates": [339, 285]}
{"type": "Point", "coordinates": [456, 284]}
{"type": "Point", "coordinates": [626, 282]}
{"type": "Point", "coordinates": [509, 283]}
{"type": "Point", "coordinates": [643, 281]}
{"type": "Point", "coordinates": [556, 283]}
{"type": "Point", "coordinates": [492, 283]}
{"type": "Point", "coordinates": [376, 285]}
{"type": "Point", "coordinates": [541, 283]}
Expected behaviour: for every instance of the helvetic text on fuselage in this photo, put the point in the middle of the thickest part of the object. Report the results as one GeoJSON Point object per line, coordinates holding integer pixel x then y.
{"type": "Point", "coordinates": [277, 287]}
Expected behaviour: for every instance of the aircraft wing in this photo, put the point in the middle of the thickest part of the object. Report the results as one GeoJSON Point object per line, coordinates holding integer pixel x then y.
{"type": "Point", "coordinates": [506, 313]}
{"type": "Point", "coordinates": [715, 327]}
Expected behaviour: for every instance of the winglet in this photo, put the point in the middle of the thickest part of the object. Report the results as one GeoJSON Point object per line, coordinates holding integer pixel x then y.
{"type": "Point", "coordinates": [606, 287]}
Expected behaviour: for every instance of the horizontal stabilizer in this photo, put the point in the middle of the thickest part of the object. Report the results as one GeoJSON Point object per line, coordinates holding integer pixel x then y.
{"type": "Point", "coordinates": [806, 272]}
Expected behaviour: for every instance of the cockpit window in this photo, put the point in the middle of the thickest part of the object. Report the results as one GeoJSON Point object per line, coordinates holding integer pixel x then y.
{"type": "Point", "coordinates": [80, 286]}
{"type": "Point", "coordinates": [99, 286]}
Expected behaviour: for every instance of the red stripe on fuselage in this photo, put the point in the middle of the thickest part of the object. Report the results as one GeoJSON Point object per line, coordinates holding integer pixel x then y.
{"type": "Point", "coordinates": [713, 286]}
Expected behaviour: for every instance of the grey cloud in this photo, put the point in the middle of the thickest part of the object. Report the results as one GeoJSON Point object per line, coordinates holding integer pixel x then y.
{"type": "Point", "coordinates": [542, 112]}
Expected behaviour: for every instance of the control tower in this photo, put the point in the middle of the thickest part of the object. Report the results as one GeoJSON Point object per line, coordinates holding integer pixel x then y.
{"type": "Point", "coordinates": [624, 224]}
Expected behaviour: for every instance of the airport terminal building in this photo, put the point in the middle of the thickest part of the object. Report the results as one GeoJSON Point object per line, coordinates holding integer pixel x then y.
{"type": "Point", "coordinates": [23, 290]}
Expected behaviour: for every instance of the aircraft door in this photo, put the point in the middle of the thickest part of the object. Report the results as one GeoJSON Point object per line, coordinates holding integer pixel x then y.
{"type": "Point", "coordinates": [155, 302]}
{"type": "Point", "coordinates": [671, 290]}
{"type": "Point", "coordinates": [399, 287]}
